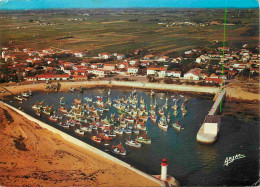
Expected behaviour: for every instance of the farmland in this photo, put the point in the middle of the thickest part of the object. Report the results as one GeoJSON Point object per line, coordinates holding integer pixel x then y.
{"type": "Point", "coordinates": [122, 30]}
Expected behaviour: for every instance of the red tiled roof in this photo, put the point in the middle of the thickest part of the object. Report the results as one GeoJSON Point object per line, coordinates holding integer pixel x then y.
{"type": "Point", "coordinates": [53, 76]}
{"type": "Point", "coordinates": [157, 69]}
{"type": "Point", "coordinates": [195, 71]}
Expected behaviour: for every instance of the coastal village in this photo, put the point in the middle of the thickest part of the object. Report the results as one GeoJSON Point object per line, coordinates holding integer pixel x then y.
{"type": "Point", "coordinates": [195, 66]}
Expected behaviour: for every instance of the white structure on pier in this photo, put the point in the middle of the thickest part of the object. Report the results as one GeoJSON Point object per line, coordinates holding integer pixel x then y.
{"type": "Point", "coordinates": [208, 132]}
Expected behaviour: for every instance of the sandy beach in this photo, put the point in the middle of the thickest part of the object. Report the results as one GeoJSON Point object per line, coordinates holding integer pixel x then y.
{"type": "Point", "coordinates": [31, 155]}
{"type": "Point", "coordinates": [65, 86]}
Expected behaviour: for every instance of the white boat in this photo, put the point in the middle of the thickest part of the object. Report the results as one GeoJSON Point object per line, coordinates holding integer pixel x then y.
{"type": "Point", "coordinates": [118, 131]}
{"type": "Point", "coordinates": [136, 131]}
{"type": "Point", "coordinates": [118, 149]}
{"type": "Point", "coordinates": [152, 93]}
{"type": "Point", "coordinates": [162, 124]}
{"type": "Point", "coordinates": [133, 143]}
{"type": "Point", "coordinates": [25, 94]}
{"type": "Point", "coordinates": [88, 99]}
{"type": "Point", "coordinates": [79, 132]}
{"type": "Point", "coordinates": [86, 129]}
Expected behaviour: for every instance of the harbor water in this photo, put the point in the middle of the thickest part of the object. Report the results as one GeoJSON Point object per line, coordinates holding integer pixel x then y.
{"type": "Point", "coordinates": [189, 162]}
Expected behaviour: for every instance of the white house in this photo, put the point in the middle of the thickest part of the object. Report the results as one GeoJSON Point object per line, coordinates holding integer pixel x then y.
{"type": "Point", "coordinates": [174, 74]}
{"type": "Point", "coordinates": [79, 54]}
{"type": "Point", "coordinates": [98, 72]}
{"type": "Point", "coordinates": [104, 55]}
{"type": "Point", "coordinates": [132, 70]}
{"type": "Point", "coordinates": [163, 59]}
{"type": "Point", "coordinates": [133, 62]}
{"type": "Point", "coordinates": [109, 67]}
{"type": "Point", "coordinates": [160, 72]}
{"type": "Point", "coordinates": [120, 56]}
{"type": "Point", "coordinates": [193, 74]}
{"type": "Point", "coordinates": [212, 124]}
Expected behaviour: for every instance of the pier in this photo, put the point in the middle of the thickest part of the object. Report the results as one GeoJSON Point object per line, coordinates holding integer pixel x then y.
{"type": "Point", "coordinates": [208, 132]}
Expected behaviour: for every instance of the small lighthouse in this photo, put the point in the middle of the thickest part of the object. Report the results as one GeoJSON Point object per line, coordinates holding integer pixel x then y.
{"type": "Point", "coordinates": [164, 169]}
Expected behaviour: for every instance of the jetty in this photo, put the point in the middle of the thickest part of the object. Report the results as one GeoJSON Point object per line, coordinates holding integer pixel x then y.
{"type": "Point", "coordinates": [208, 132]}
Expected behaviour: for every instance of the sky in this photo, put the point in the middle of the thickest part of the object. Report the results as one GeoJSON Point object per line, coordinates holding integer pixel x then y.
{"type": "Point", "coordinates": [50, 4]}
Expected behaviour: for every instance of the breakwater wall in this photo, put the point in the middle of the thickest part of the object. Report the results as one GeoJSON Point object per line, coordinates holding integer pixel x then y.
{"type": "Point", "coordinates": [84, 145]}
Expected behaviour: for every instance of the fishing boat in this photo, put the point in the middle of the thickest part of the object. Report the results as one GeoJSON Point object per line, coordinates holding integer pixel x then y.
{"type": "Point", "coordinates": [175, 106]}
{"type": "Point", "coordinates": [127, 131]}
{"type": "Point", "coordinates": [153, 118]}
{"type": "Point", "coordinates": [88, 99]}
{"type": "Point", "coordinates": [63, 110]}
{"type": "Point", "coordinates": [185, 100]}
{"type": "Point", "coordinates": [163, 124]}
{"type": "Point", "coordinates": [96, 139]}
{"type": "Point", "coordinates": [143, 139]}
{"type": "Point", "coordinates": [161, 112]}
{"type": "Point", "coordinates": [109, 102]}
{"type": "Point", "coordinates": [61, 101]}
{"type": "Point", "coordinates": [72, 89]}
{"type": "Point", "coordinates": [175, 112]}
{"type": "Point", "coordinates": [38, 112]}
{"type": "Point", "coordinates": [133, 92]}
{"type": "Point", "coordinates": [177, 126]}
{"type": "Point", "coordinates": [65, 126]}
{"type": "Point", "coordinates": [133, 143]}
{"type": "Point", "coordinates": [77, 101]}
{"type": "Point", "coordinates": [105, 137]}
{"type": "Point", "coordinates": [136, 131]}
{"type": "Point", "coordinates": [19, 98]}
{"type": "Point", "coordinates": [152, 93]}
{"type": "Point", "coordinates": [25, 94]}
{"type": "Point", "coordinates": [118, 131]}
{"type": "Point", "coordinates": [53, 118]}
{"type": "Point", "coordinates": [118, 149]}
{"type": "Point", "coordinates": [79, 132]}
{"type": "Point", "coordinates": [86, 129]}
{"type": "Point", "coordinates": [109, 91]}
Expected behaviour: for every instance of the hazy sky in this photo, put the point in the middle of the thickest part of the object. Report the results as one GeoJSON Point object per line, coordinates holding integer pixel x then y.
{"type": "Point", "coordinates": [45, 4]}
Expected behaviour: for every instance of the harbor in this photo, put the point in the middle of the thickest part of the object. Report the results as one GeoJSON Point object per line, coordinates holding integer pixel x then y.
{"type": "Point", "coordinates": [179, 147]}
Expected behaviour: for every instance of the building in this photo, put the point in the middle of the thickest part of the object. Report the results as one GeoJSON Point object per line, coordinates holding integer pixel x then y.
{"type": "Point", "coordinates": [193, 74]}
{"type": "Point", "coordinates": [109, 67]}
{"type": "Point", "coordinates": [120, 56]}
{"type": "Point", "coordinates": [132, 70]}
{"type": "Point", "coordinates": [212, 124]}
{"type": "Point", "coordinates": [212, 80]}
{"type": "Point", "coordinates": [98, 72]}
{"type": "Point", "coordinates": [53, 77]}
{"type": "Point", "coordinates": [158, 72]}
{"type": "Point", "coordinates": [104, 55]}
{"type": "Point", "coordinates": [163, 59]}
{"type": "Point", "coordinates": [174, 74]}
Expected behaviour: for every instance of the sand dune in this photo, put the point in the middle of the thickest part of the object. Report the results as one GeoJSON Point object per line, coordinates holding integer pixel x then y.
{"type": "Point", "coordinates": [33, 156]}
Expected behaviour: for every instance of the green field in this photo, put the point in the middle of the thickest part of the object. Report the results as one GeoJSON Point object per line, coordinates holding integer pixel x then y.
{"type": "Point", "coordinates": [123, 30]}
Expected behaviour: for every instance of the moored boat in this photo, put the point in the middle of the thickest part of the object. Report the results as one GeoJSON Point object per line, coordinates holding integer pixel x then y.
{"type": "Point", "coordinates": [162, 124]}
{"type": "Point", "coordinates": [118, 149]}
{"type": "Point", "coordinates": [79, 132]}
{"type": "Point", "coordinates": [177, 126]}
{"type": "Point", "coordinates": [96, 139]}
{"type": "Point", "coordinates": [133, 143]}
{"type": "Point", "coordinates": [143, 139]}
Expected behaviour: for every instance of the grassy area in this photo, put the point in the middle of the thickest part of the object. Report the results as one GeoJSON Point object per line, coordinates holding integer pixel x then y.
{"type": "Point", "coordinates": [115, 30]}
